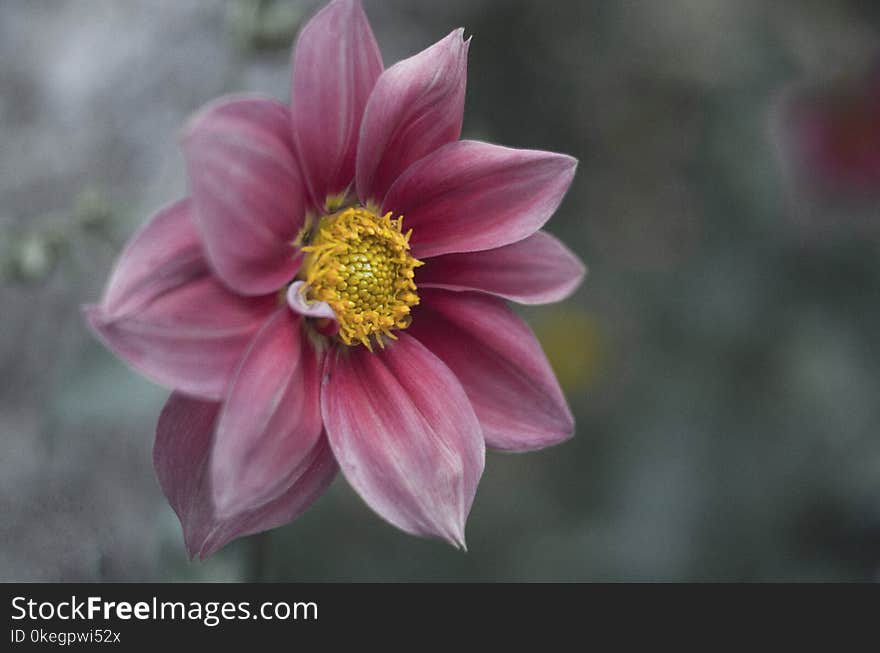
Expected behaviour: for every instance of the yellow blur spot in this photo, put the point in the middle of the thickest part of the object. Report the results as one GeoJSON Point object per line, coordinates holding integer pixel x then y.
{"type": "Point", "coordinates": [575, 345]}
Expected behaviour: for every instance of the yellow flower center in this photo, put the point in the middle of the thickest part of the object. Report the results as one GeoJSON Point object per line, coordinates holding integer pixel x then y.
{"type": "Point", "coordinates": [359, 264]}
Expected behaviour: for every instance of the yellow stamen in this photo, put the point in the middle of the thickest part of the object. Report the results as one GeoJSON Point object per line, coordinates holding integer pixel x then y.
{"type": "Point", "coordinates": [359, 263]}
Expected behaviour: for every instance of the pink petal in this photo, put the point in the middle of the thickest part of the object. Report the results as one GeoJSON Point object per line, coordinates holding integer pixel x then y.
{"type": "Point", "coordinates": [181, 457]}
{"type": "Point", "coordinates": [271, 419]}
{"type": "Point", "coordinates": [416, 106]}
{"type": "Point", "coordinates": [500, 364]}
{"type": "Point", "coordinates": [470, 196]}
{"type": "Point", "coordinates": [537, 270]}
{"type": "Point", "coordinates": [247, 191]}
{"type": "Point", "coordinates": [168, 316]}
{"type": "Point", "coordinates": [405, 436]}
{"type": "Point", "coordinates": [335, 65]}
{"type": "Point", "coordinates": [319, 471]}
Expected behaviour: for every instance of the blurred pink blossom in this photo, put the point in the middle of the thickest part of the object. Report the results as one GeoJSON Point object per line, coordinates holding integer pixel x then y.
{"type": "Point", "coordinates": [829, 137]}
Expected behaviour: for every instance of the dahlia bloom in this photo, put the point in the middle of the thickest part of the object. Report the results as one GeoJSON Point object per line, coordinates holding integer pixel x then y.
{"type": "Point", "coordinates": [331, 296]}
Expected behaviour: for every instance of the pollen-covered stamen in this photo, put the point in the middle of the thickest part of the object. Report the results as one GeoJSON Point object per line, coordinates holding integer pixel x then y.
{"type": "Point", "coordinates": [359, 264]}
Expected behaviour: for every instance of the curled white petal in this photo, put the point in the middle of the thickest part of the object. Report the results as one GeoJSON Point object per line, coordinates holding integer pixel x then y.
{"type": "Point", "coordinates": [299, 304]}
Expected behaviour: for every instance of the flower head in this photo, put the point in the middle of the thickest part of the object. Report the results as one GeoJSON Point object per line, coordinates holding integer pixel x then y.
{"type": "Point", "coordinates": [331, 295]}
{"type": "Point", "coordinates": [360, 265]}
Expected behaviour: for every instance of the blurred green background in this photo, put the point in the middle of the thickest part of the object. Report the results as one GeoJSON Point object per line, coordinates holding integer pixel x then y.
{"type": "Point", "coordinates": [722, 358]}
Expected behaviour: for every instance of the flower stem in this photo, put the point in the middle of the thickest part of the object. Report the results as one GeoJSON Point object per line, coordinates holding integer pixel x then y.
{"type": "Point", "coordinates": [258, 557]}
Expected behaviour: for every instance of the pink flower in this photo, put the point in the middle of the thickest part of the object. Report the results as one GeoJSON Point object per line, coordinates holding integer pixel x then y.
{"type": "Point", "coordinates": [332, 296]}
{"type": "Point", "coordinates": [830, 137]}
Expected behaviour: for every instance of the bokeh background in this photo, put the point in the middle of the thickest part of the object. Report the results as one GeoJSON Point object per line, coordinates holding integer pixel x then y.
{"type": "Point", "coordinates": [722, 358]}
